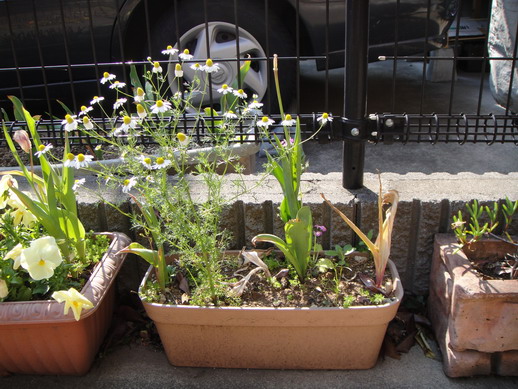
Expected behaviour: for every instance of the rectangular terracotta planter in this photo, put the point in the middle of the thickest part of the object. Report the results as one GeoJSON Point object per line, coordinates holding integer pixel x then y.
{"type": "Point", "coordinates": [475, 320]}
{"type": "Point", "coordinates": [36, 337]}
{"type": "Point", "coordinates": [274, 338]}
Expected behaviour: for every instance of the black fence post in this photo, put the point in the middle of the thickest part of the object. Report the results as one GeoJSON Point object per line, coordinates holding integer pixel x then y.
{"type": "Point", "coordinates": [355, 92]}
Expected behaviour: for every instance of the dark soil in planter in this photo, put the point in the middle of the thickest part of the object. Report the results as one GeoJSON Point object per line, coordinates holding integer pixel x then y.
{"type": "Point", "coordinates": [320, 289]}
{"type": "Point", "coordinates": [500, 269]}
{"type": "Point", "coordinates": [493, 260]}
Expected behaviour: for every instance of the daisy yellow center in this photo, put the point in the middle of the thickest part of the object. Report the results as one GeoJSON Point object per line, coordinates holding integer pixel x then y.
{"type": "Point", "coordinates": [80, 157]}
{"type": "Point", "coordinates": [41, 262]}
{"type": "Point", "coordinates": [159, 103]}
{"type": "Point", "coordinates": [41, 147]}
{"type": "Point", "coordinates": [86, 120]}
{"type": "Point", "coordinates": [186, 51]}
{"type": "Point", "coordinates": [325, 115]}
{"type": "Point", "coordinates": [156, 65]}
{"type": "Point", "coordinates": [265, 119]}
{"type": "Point", "coordinates": [160, 160]}
{"type": "Point", "coordinates": [231, 112]}
{"type": "Point", "coordinates": [140, 108]}
{"type": "Point", "coordinates": [196, 65]}
{"type": "Point", "coordinates": [147, 160]}
{"type": "Point", "coordinates": [240, 91]}
{"type": "Point", "coordinates": [288, 117]}
{"type": "Point", "coordinates": [96, 97]}
{"type": "Point", "coordinates": [106, 74]}
{"type": "Point", "coordinates": [70, 156]}
{"type": "Point", "coordinates": [178, 67]}
{"type": "Point", "coordinates": [169, 47]}
{"type": "Point", "coordinates": [83, 108]}
{"type": "Point", "coordinates": [126, 120]}
{"type": "Point", "coordinates": [69, 119]}
{"type": "Point", "coordinates": [209, 62]}
{"type": "Point", "coordinates": [140, 91]}
{"type": "Point", "coordinates": [224, 86]}
{"type": "Point", "coordinates": [181, 136]}
{"type": "Point", "coordinates": [126, 182]}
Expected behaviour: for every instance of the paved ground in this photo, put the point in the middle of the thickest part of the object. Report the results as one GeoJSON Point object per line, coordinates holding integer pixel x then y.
{"type": "Point", "coordinates": [143, 367]}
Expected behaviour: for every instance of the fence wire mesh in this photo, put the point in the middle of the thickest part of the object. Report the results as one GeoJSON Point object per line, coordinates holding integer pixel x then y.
{"type": "Point", "coordinates": [58, 50]}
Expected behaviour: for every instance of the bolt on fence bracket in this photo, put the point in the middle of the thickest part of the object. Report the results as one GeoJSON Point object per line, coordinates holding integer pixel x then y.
{"type": "Point", "coordinates": [386, 128]}
{"type": "Point", "coordinates": [351, 130]}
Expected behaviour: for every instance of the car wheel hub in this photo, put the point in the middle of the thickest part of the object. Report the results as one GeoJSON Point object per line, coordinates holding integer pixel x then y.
{"type": "Point", "coordinates": [222, 43]}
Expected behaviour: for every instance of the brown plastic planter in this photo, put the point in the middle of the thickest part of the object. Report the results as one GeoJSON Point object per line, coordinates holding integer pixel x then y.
{"type": "Point", "coordinates": [274, 338]}
{"type": "Point", "coordinates": [475, 320]}
{"type": "Point", "coordinates": [36, 337]}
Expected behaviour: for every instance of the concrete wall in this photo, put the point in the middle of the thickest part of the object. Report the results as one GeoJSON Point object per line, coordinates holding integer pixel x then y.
{"type": "Point", "coordinates": [427, 202]}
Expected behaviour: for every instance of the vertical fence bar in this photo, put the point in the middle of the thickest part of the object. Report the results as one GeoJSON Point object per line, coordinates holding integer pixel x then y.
{"type": "Point", "coordinates": [355, 90]}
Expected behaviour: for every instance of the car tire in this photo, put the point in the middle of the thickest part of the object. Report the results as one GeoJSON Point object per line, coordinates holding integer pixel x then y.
{"type": "Point", "coordinates": [190, 26]}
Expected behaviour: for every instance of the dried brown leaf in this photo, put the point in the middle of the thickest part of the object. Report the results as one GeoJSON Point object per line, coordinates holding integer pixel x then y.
{"type": "Point", "coordinates": [255, 258]}
{"type": "Point", "coordinates": [183, 285]}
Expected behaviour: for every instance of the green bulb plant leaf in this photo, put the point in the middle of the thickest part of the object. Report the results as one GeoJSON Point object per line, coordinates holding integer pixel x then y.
{"type": "Point", "coordinates": [299, 240]}
{"type": "Point", "coordinates": [55, 206]}
{"type": "Point", "coordinates": [380, 249]}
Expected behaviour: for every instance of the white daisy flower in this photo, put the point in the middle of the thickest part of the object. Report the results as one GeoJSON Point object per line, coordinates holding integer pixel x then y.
{"type": "Point", "coordinates": [210, 66]}
{"type": "Point", "coordinates": [69, 160]}
{"type": "Point", "coordinates": [146, 161]}
{"type": "Point", "coordinates": [87, 123]}
{"type": "Point", "coordinates": [78, 184]}
{"type": "Point", "coordinates": [70, 123]}
{"type": "Point", "coordinates": [84, 110]}
{"type": "Point", "coordinates": [117, 85]}
{"type": "Point", "coordinates": [161, 106]}
{"type": "Point", "coordinates": [107, 77]}
{"type": "Point", "coordinates": [139, 97]}
{"type": "Point", "coordinates": [42, 149]}
{"type": "Point", "coordinates": [324, 118]}
{"type": "Point", "coordinates": [230, 115]}
{"type": "Point", "coordinates": [182, 139]}
{"type": "Point", "coordinates": [185, 55]}
{"type": "Point", "coordinates": [265, 122]}
{"type": "Point", "coordinates": [128, 184]}
{"type": "Point", "coordinates": [178, 72]}
{"type": "Point", "coordinates": [170, 50]}
{"type": "Point", "coordinates": [161, 163]}
{"type": "Point", "coordinates": [119, 102]}
{"type": "Point", "coordinates": [240, 93]}
{"type": "Point", "coordinates": [156, 67]}
{"type": "Point", "coordinates": [128, 123]}
{"type": "Point", "coordinates": [196, 66]}
{"type": "Point", "coordinates": [255, 105]}
{"type": "Point", "coordinates": [96, 100]}
{"type": "Point", "coordinates": [225, 89]}
{"type": "Point", "coordinates": [288, 121]}
{"type": "Point", "coordinates": [177, 95]}
{"type": "Point", "coordinates": [141, 111]}
{"type": "Point", "coordinates": [81, 161]}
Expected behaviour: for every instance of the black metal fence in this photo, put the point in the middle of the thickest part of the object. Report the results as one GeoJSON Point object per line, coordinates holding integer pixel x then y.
{"type": "Point", "coordinates": [58, 50]}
